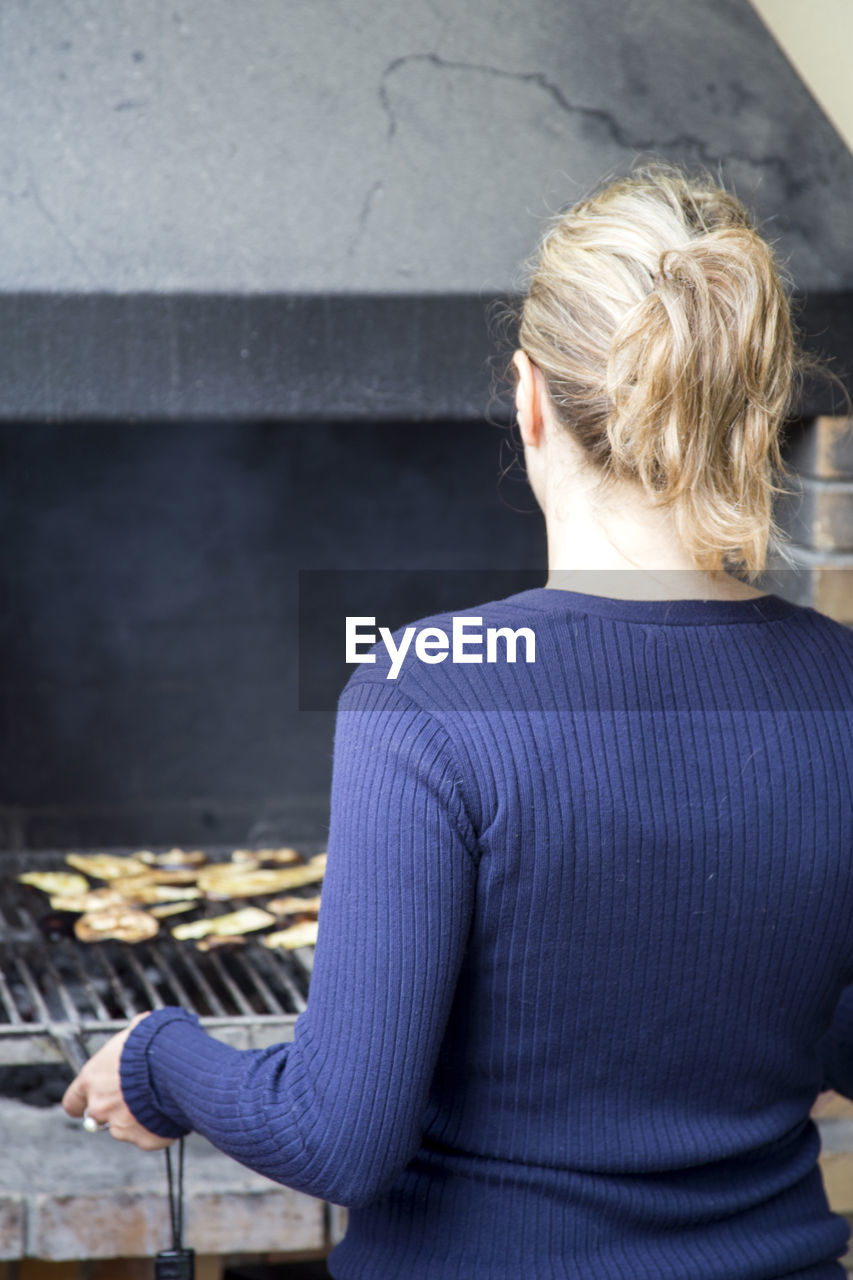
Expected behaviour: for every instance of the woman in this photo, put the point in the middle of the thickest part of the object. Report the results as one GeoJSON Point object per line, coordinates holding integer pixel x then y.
{"type": "Point", "coordinates": [586, 919]}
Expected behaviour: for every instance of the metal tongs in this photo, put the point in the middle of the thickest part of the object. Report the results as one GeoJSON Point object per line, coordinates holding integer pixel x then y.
{"type": "Point", "coordinates": [176, 1263]}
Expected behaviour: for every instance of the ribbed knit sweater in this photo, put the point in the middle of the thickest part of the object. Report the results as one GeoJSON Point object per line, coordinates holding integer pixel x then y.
{"type": "Point", "coordinates": [586, 930]}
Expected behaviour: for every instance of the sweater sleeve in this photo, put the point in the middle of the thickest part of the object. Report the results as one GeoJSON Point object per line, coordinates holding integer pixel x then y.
{"type": "Point", "coordinates": [835, 1048]}
{"type": "Point", "coordinates": [337, 1112]}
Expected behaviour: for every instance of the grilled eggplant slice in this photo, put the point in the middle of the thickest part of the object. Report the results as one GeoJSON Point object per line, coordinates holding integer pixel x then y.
{"type": "Point", "coordinates": [125, 924]}
{"type": "Point", "coordinates": [174, 859]}
{"type": "Point", "coordinates": [142, 889]}
{"type": "Point", "coordinates": [161, 875]}
{"type": "Point", "coordinates": [64, 884]}
{"type": "Point", "coordinates": [235, 923]}
{"type": "Point", "coordinates": [228, 881]}
{"type": "Point", "coordinates": [303, 934]}
{"type": "Point", "coordinates": [105, 866]}
{"type": "Point", "coordinates": [94, 900]}
{"type": "Point", "coordinates": [163, 909]}
{"type": "Point", "coordinates": [293, 905]}
{"type": "Point", "coordinates": [255, 857]}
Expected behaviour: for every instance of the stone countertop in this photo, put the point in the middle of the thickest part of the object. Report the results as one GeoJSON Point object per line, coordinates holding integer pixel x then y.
{"type": "Point", "coordinates": [65, 1193]}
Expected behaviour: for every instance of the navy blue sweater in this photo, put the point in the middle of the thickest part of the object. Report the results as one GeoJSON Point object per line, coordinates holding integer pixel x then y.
{"type": "Point", "coordinates": [586, 930]}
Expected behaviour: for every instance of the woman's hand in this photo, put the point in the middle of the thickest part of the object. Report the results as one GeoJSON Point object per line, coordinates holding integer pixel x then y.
{"type": "Point", "coordinates": [97, 1090]}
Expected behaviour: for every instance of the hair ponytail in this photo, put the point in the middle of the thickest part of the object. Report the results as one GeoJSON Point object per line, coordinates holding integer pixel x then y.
{"type": "Point", "coordinates": [659, 319]}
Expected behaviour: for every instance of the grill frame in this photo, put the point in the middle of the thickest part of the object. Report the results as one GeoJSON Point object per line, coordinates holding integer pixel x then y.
{"type": "Point", "coordinates": [248, 997]}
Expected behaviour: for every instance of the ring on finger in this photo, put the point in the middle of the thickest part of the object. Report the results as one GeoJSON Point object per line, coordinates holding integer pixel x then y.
{"type": "Point", "coordinates": [90, 1124]}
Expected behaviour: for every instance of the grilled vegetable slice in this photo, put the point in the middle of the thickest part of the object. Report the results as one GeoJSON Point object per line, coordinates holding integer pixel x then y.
{"type": "Point", "coordinates": [229, 881]}
{"type": "Point", "coordinates": [303, 934]}
{"type": "Point", "coordinates": [123, 923]}
{"type": "Point", "coordinates": [293, 905]}
{"type": "Point", "coordinates": [65, 883]}
{"type": "Point", "coordinates": [105, 866]}
{"type": "Point", "coordinates": [160, 875]}
{"type": "Point", "coordinates": [94, 900]}
{"type": "Point", "coordinates": [257, 856]}
{"type": "Point", "coordinates": [248, 920]}
{"type": "Point", "coordinates": [163, 909]}
{"type": "Point", "coordinates": [137, 889]}
{"type": "Point", "coordinates": [215, 944]}
{"type": "Point", "coordinates": [174, 858]}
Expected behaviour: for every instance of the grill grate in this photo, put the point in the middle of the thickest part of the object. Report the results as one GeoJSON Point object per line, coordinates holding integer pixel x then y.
{"type": "Point", "coordinates": [248, 996]}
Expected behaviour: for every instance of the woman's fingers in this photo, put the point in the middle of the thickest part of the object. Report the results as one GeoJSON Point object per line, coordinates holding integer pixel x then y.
{"type": "Point", "coordinates": [138, 1136]}
{"type": "Point", "coordinates": [75, 1096]}
{"type": "Point", "coordinates": [96, 1093]}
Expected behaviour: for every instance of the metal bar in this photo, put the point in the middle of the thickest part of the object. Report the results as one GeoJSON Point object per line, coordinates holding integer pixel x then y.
{"type": "Point", "coordinates": [27, 920]}
{"type": "Point", "coordinates": [263, 990]}
{"type": "Point", "coordinates": [32, 1046]}
{"type": "Point", "coordinates": [230, 985]}
{"type": "Point", "coordinates": [35, 995]}
{"type": "Point", "coordinates": [119, 990]}
{"type": "Point", "coordinates": [72, 1012]}
{"type": "Point", "coordinates": [279, 966]}
{"type": "Point", "coordinates": [216, 1006]}
{"type": "Point", "coordinates": [172, 980]}
{"type": "Point", "coordinates": [299, 970]}
{"type": "Point", "coordinates": [125, 952]}
{"type": "Point", "coordinates": [98, 1005]}
{"type": "Point", "coordinates": [65, 1035]}
{"type": "Point", "coordinates": [5, 916]}
{"type": "Point", "coordinates": [69, 1041]}
{"type": "Point", "coordinates": [150, 990]}
{"type": "Point", "coordinates": [9, 1003]}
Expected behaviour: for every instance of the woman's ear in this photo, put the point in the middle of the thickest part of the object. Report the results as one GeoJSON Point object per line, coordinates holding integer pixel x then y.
{"type": "Point", "coordinates": [528, 400]}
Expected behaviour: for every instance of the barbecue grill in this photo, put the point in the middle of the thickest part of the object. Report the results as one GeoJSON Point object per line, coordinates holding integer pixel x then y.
{"type": "Point", "coordinates": [61, 999]}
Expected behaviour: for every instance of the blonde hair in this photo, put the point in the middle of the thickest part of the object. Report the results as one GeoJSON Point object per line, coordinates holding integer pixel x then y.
{"type": "Point", "coordinates": [658, 317]}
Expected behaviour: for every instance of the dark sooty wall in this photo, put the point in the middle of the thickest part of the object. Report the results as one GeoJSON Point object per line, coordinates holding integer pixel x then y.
{"type": "Point", "coordinates": [149, 589]}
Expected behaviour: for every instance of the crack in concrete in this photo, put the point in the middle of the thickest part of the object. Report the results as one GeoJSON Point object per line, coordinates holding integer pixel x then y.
{"type": "Point", "coordinates": [619, 134]}
{"type": "Point", "coordinates": [363, 217]}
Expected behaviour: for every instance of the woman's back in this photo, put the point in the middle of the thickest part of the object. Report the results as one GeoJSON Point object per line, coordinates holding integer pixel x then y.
{"type": "Point", "coordinates": [660, 928]}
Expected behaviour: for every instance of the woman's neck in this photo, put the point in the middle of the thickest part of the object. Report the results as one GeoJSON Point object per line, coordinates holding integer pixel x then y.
{"type": "Point", "coordinates": [625, 549]}
{"type": "Point", "coordinates": [650, 584]}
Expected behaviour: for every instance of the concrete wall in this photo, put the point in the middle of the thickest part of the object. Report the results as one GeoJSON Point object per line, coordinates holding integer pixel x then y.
{"type": "Point", "coordinates": [393, 145]}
